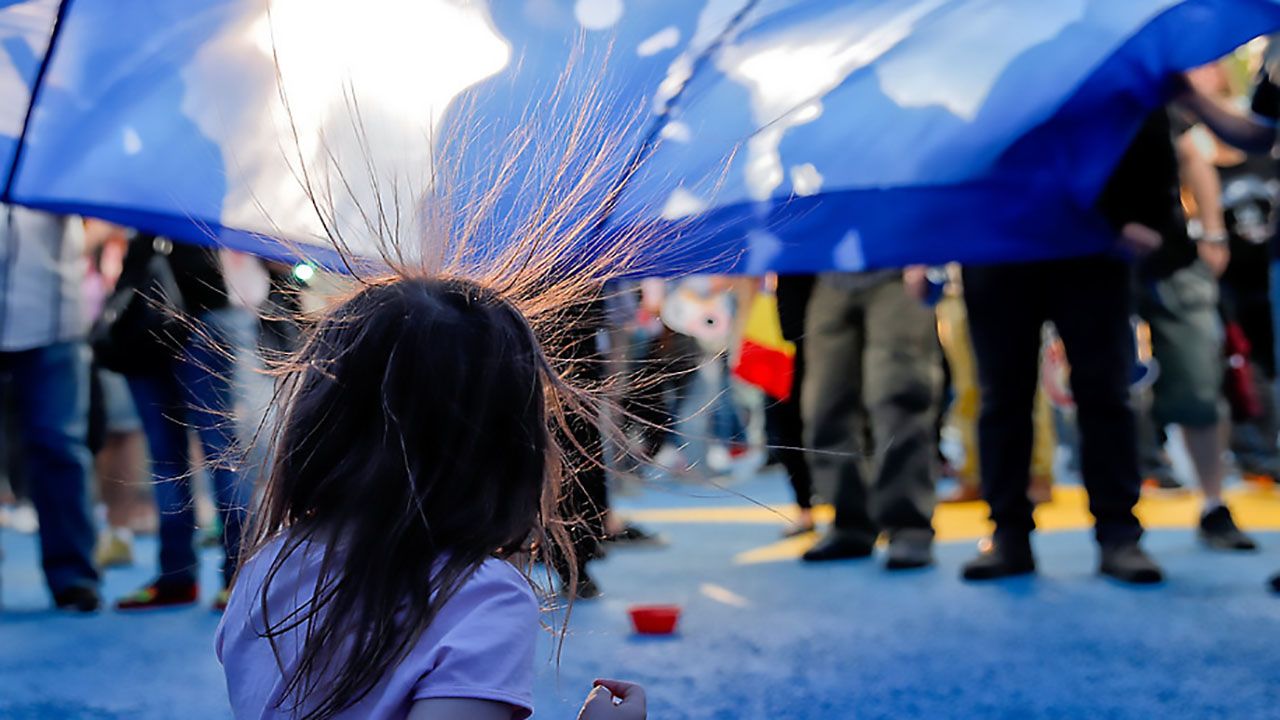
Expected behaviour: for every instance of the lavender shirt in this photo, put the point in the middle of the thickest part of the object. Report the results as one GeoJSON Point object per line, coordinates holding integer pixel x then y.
{"type": "Point", "coordinates": [480, 646]}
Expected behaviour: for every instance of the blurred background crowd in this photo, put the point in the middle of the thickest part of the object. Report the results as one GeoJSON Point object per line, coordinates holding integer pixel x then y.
{"type": "Point", "coordinates": [881, 392]}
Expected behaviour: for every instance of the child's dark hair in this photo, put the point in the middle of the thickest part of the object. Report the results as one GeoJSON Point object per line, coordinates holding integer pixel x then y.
{"type": "Point", "coordinates": [419, 429]}
{"type": "Point", "coordinates": [415, 446]}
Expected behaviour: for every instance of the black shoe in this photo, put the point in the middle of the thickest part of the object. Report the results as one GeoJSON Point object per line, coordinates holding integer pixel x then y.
{"type": "Point", "coordinates": [837, 545]}
{"type": "Point", "coordinates": [1218, 530]}
{"type": "Point", "coordinates": [909, 550]}
{"type": "Point", "coordinates": [1129, 563]}
{"type": "Point", "coordinates": [587, 588]}
{"type": "Point", "coordinates": [636, 536]}
{"type": "Point", "coordinates": [78, 598]}
{"type": "Point", "coordinates": [1275, 584]}
{"type": "Point", "coordinates": [1000, 559]}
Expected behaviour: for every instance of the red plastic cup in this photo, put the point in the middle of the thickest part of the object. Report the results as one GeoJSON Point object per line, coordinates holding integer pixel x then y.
{"type": "Point", "coordinates": [654, 619]}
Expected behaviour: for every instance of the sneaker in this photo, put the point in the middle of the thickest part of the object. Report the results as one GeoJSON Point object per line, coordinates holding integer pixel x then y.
{"type": "Point", "coordinates": [114, 551]}
{"type": "Point", "coordinates": [1001, 558]}
{"type": "Point", "coordinates": [221, 599]}
{"type": "Point", "coordinates": [1128, 562]}
{"type": "Point", "coordinates": [837, 545]}
{"type": "Point", "coordinates": [908, 550]}
{"type": "Point", "coordinates": [24, 519]}
{"type": "Point", "coordinates": [160, 595]}
{"type": "Point", "coordinates": [1218, 530]}
{"type": "Point", "coordinates": [78, 598]}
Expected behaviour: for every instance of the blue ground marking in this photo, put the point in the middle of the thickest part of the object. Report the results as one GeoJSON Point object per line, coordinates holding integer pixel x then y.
{"type": "Point", "coordinates": [836, 641]}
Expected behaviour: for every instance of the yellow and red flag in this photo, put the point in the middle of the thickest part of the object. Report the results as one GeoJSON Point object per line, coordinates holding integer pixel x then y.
{"type": "Point", "coordinates": [766, 359]}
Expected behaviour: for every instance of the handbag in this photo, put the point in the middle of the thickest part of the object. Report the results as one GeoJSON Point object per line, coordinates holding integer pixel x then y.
{"type": "Point", "coordinates": [142, 328]}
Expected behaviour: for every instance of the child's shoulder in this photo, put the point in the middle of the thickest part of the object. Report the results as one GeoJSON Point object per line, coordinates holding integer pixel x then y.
{"type": "Point", "coordinates": [495, 607]}
{"type": "Point", "coordinates": [499, 580]}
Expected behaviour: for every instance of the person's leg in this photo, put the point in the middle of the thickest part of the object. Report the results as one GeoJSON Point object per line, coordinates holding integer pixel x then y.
{"type": "Point", "coordinates": [1262, 459]}
{"type": "Point", "coordinates": [1090, 309]}
{"type": "Point", "coordinates": [1254, 441]}
{"type": "Point", "coordinates": [793, 295]}
{"type": "Point", "coordinates": [1005, 320]}
{"type": "Point", "coordinates": [645, 403]}
{"type": "Point", "coordinates": [1044, 449]}
{"type": "Point", "coordinates": [51, 386]}
{"type": "Point", "coordinates": [206, 376]}
{"type": "Point", "coordinates": [1154, 465]}
{"type": "Point", "coordinates": [584, 504]}
{"type": "Point", "coordinates": [1186, 339]}
{"type": "Point", "coordinates": [163, 420]}
{"type": "Point", "coordinates": [119, 465]}
{"type": "Point", "coordinates": [900, 386]}
{"type": "Point", "coordinates": [786, 435]}
{"type": "Point", "coordinates": [953, 328]}
{"type": "Point", "coordinates": [831, 407]}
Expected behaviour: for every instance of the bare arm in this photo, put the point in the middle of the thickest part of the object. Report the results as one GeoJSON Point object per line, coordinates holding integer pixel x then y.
{"type": "Point", "coordinates": [1251, 133]}
{"type": "Point", "coordinates": [460, 709]}
{"type": "Point", "coordinates": [1202, 179]}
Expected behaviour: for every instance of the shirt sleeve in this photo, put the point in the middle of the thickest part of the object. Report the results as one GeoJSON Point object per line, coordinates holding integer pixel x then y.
{"type": "Point", "coordinates": [1266, 96]}
{"type": "Point", "coordinates": [487, 648]}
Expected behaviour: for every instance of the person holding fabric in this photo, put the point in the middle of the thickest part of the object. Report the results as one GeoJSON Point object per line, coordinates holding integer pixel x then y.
{"type": "Point", "coordinates": [42, 351]}
{"type": "Point", "coordinates": [191, 390]}
{"type": "Point", "coordinates": [872, 372]}
{"type": "Point", "coordinates": [1008, 305]}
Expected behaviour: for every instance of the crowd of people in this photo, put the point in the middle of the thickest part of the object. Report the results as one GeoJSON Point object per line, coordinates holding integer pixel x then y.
{"type": "Point", "coordinates": [1172, 329]}
{"type": "Point", "coordinates": [125, 353]}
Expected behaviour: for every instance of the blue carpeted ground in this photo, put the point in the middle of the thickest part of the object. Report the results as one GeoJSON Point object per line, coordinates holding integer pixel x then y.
{"type": "Point", "coordinates": [837, 641]}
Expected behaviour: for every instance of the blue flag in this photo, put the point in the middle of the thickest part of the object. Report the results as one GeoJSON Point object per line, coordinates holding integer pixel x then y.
{"type": "Point", "coordinates": [764, 134]}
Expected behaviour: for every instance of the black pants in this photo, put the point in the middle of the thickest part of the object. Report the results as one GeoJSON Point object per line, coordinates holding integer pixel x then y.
{"type": "Point", "coordinates": [785, 428]}
{"type": "Point", "coordinates": [782, 418]}
{"type": "Point", "coordinates": [1088, 300]}
{"type": "Point", "coordinates": [584, 500]}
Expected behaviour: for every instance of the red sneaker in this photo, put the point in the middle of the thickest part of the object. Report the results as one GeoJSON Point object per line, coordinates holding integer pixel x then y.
{"type": "Point", "coordinates": [158, 595]}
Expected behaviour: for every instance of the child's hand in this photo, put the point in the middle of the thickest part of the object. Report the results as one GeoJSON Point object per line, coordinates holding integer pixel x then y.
{"type": "Point", "coordinates": [614, 700]}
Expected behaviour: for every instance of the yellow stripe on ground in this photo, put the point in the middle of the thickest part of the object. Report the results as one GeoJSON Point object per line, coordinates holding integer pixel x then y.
{"type": "Point", "coordinates": [1254, 509]}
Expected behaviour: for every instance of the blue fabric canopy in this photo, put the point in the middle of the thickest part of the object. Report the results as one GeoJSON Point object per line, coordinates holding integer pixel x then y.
{"type": "Point", "coordinates": [769, 134]}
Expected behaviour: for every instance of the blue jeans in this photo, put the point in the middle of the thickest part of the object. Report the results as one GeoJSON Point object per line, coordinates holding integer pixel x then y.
{"type": "Point", "coordinates": [198, 394]}
{"type": "Point", "coordinates": [51, 387]}
{"type": "Point", "coordinates": [726, 420]}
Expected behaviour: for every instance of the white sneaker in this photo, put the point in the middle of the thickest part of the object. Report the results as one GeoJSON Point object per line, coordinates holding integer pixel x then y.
{"type": "Point", "coordinates": [23, 519]}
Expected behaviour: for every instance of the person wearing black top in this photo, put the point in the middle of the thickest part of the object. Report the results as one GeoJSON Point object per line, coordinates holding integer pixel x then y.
{"type": "Point", "coordinates": [1088, 299]}
{"type": "Point", "coordinates": [195, 392]}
